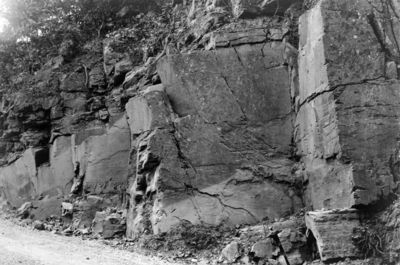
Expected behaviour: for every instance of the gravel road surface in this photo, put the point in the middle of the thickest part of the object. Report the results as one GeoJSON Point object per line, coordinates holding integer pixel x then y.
{"type": "Point", "coordinates": [19, 245]}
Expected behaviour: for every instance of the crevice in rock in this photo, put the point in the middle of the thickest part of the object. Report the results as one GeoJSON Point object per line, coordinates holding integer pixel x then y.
{"type": "Point", "coordinates": [355, 188]}
{"type": "Point", "coordinates": [218, 197]}
{"type": "Point", "coordinates": [382, 203]}
{"type": "Point", "coordinates": [186, 162]}
{"type": "Point", "coordinates": [42, 156]}
{"type": "Point", "coordinates": [111, 156]}
{"type": "Point", "coordinates": [367, 106]}
{"type": "Point", "coordinates": [334, 88]}
{"type": "Point", "coordinates": [182, 219]}
{"type": "Point", "coordinates": [237, 182]}
{"type": "Point", "coordinates": [234, 96]}
{"type": "Point", "coordinates": [275, 66]}
{"type": "Point", "coordinates": [77, 181]}
{"type": "Point", "coordinates": [263, 46]}
{"type": "Point", "coordinates": [56, 134]}
{"type": "Point", "coordinates": [312, 248]}
{"type": "Point", "coordinates": [238, 57]}
{"type": "Point", "coordinates": [393, 9]}
{"type": "Point", "coordinates": [284, 116]}
{"type": "Point", "coordinates": [268, 176]}
{"type": "Point", "coordinates": [196, 208]}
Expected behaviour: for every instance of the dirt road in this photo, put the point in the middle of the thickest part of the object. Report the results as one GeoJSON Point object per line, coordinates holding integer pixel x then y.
{"type": "Point", "coordinates": [19, 245]}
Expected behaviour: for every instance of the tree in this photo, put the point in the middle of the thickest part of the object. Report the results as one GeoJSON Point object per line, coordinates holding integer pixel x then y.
{"type": "Point", "coordinates": [37, 28]}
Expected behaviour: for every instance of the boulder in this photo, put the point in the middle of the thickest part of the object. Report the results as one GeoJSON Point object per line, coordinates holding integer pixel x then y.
{"type": "Point", "coordinates": [109, 225]}
{"type": "Point", "coordinates": [294, 245]}
{"type": "Point", "coordinates": [231, 252]}
{"type": "Point", "coordinates": [334, 232]}
{"type": "Point", "coordinates": [85, 209]}
{"type": "Point", "coordinates": [263, 249]}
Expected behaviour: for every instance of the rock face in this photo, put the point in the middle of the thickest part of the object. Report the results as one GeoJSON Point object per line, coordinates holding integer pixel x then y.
{"type": "Point", "coordinates": [101, 155]}
{"type": "Point", "coordinates": [347, 129]}
{"type": "Point", "coordinates": [223, 153]}
{"type": "Point", "coordinates": [25, 179]}
{"type": "Point", "coordinates": [243, 129]}
{"type": "Point", "coordinates": [254, 8]}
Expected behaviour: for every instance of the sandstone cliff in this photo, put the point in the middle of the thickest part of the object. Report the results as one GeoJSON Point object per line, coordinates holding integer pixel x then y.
{"type": "Point", "coordinates": [260, 115]}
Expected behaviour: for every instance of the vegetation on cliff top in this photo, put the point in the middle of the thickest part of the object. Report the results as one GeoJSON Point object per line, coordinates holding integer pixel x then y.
{"type": "Point", "coordinates": [39, 30]}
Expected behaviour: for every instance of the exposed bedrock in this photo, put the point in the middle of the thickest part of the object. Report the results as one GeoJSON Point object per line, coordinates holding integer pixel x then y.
{"type": "Point", "coordinates": [254, 8]}
{"type": "Point", "coordinates": [243, 129]}
{"type": "Point", "coordinates": [215, 147]}
{"type": "Point", "coordinates": [347, 126]}
{"type": "Point", "coordinates": [92, 161]}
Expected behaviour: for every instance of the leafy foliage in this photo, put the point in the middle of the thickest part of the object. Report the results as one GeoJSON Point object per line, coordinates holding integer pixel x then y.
{"type": "Point", "coordinates": [39, 29]}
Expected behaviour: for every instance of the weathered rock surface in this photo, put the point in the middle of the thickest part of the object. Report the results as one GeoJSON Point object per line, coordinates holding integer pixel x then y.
{"type": "Point", "coordinates": [243, 129]}
{"type": "Point", "coordinates": [101, 155]}
{"type": "Point", "coordinates": [93, 161]}
{"type": "Point", "coordinates": [224, 155]}
{"type": "Point", "coordinates": [26, 179]}
{"type": "Point", "coordinates": [18, 180]}
{"type": "Point", "coordinates": [254, 8]}
{"type": "Point", "coordinates": [334, 231]}
{"type": "Point", "coordinates": [231, 252]}
{"type": "Point", "coordinates": [293, 243]}
{"type": "Point", "coordinates": [347, 128]}
{"type": "Point", "coordinates": [263, 249]}
{"type": "Point", "coordinates": [247, 35]}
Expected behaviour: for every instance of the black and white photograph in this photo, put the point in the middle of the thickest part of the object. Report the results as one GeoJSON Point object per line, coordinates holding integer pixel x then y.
{"type": "Point", "coordinates": [199, 132]}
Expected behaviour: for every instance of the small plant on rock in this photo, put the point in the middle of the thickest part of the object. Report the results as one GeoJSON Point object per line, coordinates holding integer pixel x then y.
{"type": "Point", "coordinates": [368, 241]}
